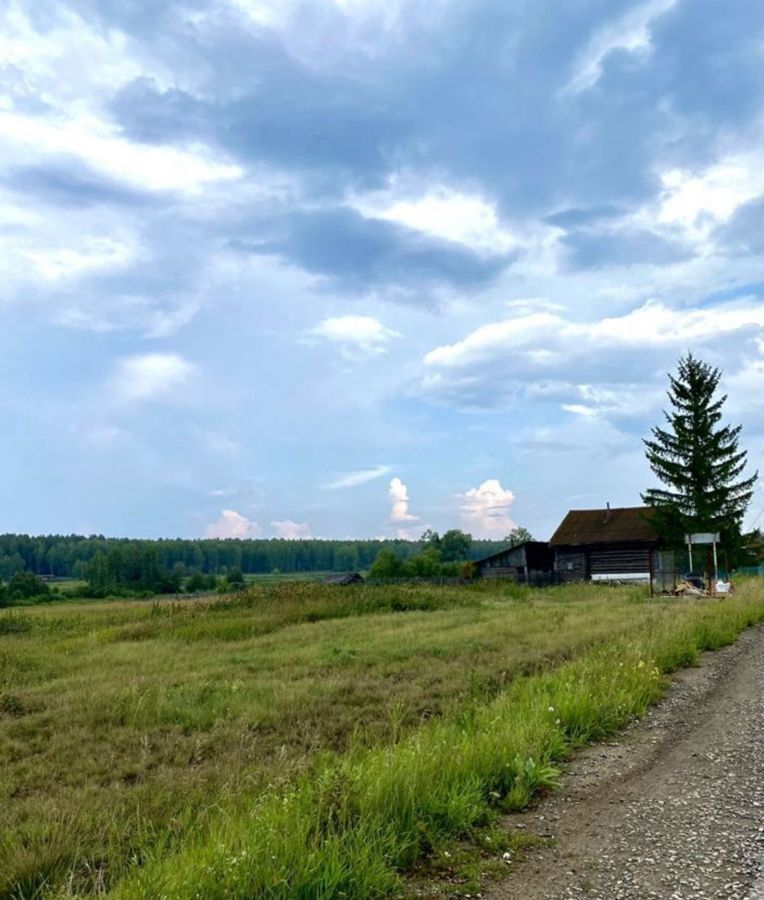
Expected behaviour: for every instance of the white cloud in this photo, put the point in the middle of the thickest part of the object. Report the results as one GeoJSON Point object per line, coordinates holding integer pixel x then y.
{"type": "Point", "coordinates": [517, 331]}
{"type": "Point", "coordinates": [606, 366]}
{"type": "Point", "coordinates": [55, 263]}
{"type": "Point", "coordinates": [98, 143]}
{"type": "Point", "coordinates": [67, 59]}
{"type": "Point", "coordinates": [578, 409]}
{"type": "Point", "coordinates": [155, 317]}
{"type": "Point", "coordinates": [548, 335]}
{"type": "Point", "coordinates": [355, 333]}
{"type": "Point", "coordinates": [399, 496]}
{"type": "Point", "coordinates": [698, 201]}
{"type": "Point", "coordinates": [486, 509]}
{"type": "Point", "coordinates": [631, 32]}
{"type": "Point", "coordinates": [291, 530]}
{"type": "Point", "coordinates": [353, 479]}
{"type": "Point", "coordinates": [70, 67]}
{"type": "Point", "coordinates": [232, 524]}
{"type": "Point", "coordinates": [151, 376]}
{"type": "Point", "coordinates": [443, 213]}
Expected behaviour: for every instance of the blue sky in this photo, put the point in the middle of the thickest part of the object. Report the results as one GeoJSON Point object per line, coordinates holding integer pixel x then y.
{"type": "Point", "coordinates": [357, 268]}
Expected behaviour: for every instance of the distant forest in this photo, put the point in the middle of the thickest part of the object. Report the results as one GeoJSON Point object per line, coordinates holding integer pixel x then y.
{"type": "Point", "coordinates": [68, 556]}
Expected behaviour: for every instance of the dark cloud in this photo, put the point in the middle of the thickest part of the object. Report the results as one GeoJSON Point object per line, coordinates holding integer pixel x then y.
{"type": "Point", "coordinates": [329, 127]}
{"type": "Point", "coordinates": [707, 66]}
{"type": "Point", "coordinates": [153, 116]}
{"type": "Point", "coordinates": [623, 247]}
{"type": "Point", "coordinates": [361, 253]}
{"type": "Point", "coordinates": [577, 217]}
{"type": "Point", "coordinates": [744, 233]}
{"type": "Point", "coordinates": [72, 185]}
{"type": "Point", "coordinates": [473, 96]}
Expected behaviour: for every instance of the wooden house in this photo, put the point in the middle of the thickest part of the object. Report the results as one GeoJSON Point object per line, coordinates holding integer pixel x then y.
{"type": "Point", "coordinates": [604, 545]}
{"type": "Point", "coordinates": [524, 562]}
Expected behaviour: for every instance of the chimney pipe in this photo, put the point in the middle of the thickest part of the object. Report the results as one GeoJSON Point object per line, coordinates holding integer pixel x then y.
{"type": "Point", "coordinates": [607, 512]}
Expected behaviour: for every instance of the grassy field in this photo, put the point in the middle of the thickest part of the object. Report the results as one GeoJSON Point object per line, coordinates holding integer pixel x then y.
{"type": "Point", "coordinates": [303, 740]}
{"type": "Point", "coordinates": [267, 578]}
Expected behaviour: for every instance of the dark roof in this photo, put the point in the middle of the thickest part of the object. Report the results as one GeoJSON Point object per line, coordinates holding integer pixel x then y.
{"type": "Point", "coordinates": [507, 549]}
{"type": "Point", "coordinates": [602, 526]}
{"type": "Point", "coordinates": [344, 578]}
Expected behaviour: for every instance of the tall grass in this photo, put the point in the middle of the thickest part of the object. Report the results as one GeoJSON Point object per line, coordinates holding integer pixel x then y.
{"type": "Point", "coordinates": [350, 827]}
{"type": "Point", "coordinates": [133, 734]}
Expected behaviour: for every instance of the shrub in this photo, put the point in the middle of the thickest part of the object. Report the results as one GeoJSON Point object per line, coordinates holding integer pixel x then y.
{"type": "Point", "coordinates": [25, 585]}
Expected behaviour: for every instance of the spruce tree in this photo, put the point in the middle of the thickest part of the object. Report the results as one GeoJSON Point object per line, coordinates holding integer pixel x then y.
{"type": "Point", "coordinates": [699, 462]}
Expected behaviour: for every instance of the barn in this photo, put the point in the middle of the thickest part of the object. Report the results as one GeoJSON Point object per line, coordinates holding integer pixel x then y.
{"type": "Point", "coordinates": [526, 562]}
{"type": "Point", "coordinates": [604, 544]}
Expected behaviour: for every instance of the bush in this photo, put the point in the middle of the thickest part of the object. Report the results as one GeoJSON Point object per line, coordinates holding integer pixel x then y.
{"type": "Point", "coordinates": [25, 585]}
{"type": "Point", "coordinates": [235, 579]}
{"type": "Point", "coordinates": [197, 582]}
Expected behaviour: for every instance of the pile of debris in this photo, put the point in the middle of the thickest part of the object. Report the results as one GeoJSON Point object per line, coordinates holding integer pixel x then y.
{"type": "Point", "coordinates": [686, 589]}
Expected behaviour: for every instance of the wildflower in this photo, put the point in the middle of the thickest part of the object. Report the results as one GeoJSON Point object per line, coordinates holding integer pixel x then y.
{"type": "Point", "coordinates": [551, 709]}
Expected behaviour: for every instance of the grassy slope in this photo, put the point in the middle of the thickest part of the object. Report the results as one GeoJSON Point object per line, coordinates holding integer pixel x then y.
{"type": "Point", "coordinates": [126, 723]}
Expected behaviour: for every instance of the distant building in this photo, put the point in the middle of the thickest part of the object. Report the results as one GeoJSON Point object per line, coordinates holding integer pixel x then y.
{"type": "Point", "coordinates": [523, 562]}
{"type": "Point", "coordinates": [344, 578]}
{"type": "Point", "coordinates": [604, 544]}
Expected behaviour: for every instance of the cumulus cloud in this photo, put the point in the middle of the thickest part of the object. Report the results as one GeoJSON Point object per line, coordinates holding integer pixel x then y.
{"type": "Point", "coordinates": [486, 509]}
{"type": "Point", "coordinates": [568, 360]}
{"type": "Point", "coordinates": [291, 530]}
{"type": "Point", "coordinates": [232, 524]}
{"type": "Point", "coordinates": [399, 496]}
{"type": "Point", "coordinates": [152, 376]}
{"type": "Point", "coordinates": [353, 479]}
{"type": "Point", "coordinates": [363, 334]}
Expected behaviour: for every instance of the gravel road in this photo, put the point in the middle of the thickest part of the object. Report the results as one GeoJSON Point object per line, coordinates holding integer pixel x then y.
{"type": "Point", "coordinates": [673, 810]}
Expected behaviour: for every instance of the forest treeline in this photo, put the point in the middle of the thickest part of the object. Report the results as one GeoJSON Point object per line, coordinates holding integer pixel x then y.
{"type": "Point", "coordinates": [70, 556]}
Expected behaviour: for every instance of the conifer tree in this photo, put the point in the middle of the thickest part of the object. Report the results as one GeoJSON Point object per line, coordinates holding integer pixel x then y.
{"type": "Point", "coordinates": [698, 460]}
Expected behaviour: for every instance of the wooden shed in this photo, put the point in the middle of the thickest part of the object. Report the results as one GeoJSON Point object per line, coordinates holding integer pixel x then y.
{"type": "Point", "coordinates": [524, 562]}
{"type": "Point", "coordinates": [604, 544]}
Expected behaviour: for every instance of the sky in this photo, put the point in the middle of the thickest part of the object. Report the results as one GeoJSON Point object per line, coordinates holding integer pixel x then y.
{"type": "Point", "coordinates": [357, 268]}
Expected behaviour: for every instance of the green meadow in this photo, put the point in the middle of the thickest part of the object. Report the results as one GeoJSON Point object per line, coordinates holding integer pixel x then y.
{"type": "Point", "coordinates": [302, 740]}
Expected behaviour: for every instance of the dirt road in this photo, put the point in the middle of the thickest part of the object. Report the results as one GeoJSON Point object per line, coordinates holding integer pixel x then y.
{"type": "Point", "coordinates": [674, 810]}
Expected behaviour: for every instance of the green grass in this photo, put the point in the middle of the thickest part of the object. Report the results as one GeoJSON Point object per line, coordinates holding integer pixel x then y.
{"type": "Point", "coordinates": [266, 578]}
{"type": "Point", "coordinates": [70, 587]}
{"type": "Point", "coordinates": [308, 741]}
